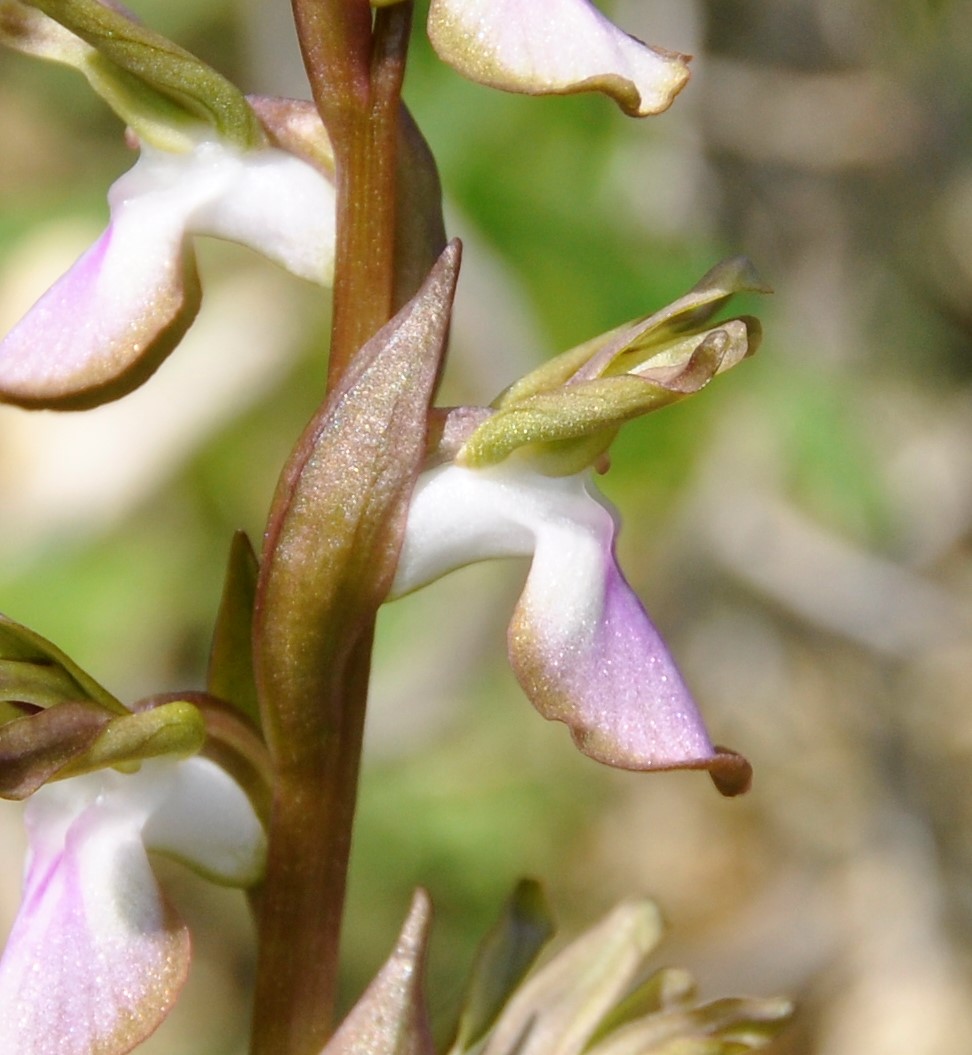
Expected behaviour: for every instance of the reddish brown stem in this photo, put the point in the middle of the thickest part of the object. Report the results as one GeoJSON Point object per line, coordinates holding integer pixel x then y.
{"type": "Point", "coordinates": [356, 71]}
{"type": "Point", "coordinates": [365, 161]}
{"type": "Point", "coordinates": [302, 898]}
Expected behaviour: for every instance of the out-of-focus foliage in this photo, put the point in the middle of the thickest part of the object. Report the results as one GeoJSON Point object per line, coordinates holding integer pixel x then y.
{"type": "Point", "coordinates": [800, 530]}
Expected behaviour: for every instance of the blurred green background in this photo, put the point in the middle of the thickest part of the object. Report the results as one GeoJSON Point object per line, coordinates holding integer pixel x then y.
{"type": "Point", "coordinates": [800, 531]}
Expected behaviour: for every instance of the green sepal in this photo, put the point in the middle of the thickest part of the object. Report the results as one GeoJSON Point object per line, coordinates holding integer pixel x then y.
{"type": "Point", "coordinates": [550, 424]}
{"type": "Point", "coordinates": [26, 682]}
{"type": "Point", "coordinates": [163, 92]}
{"type": "Point", "coordinates": [592, 997]}
{"type": "Point", "coordinates": [564, 415]}
{"type": "Point", "coordinates": [175, 728]}
{"type": "Point", "coordinates": [670, 987]}
{"type": "Point", "coordinates": [568, 429]}
{"type": "Point", "coordinates": [36, 747]}
{"type": "Point", "coordinates": [34, 671]}
{"type": "Point", "coordinates": [633, 344]}
{"type": "Point", "coordinates": [503, 959]}
{"type": "Point", "coordinates": [230, 675]}
{"type": "Point", "coordinates": [562, 1003]}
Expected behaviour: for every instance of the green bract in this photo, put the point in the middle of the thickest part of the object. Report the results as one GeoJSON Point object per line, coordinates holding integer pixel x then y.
{"type": "Point", "coordinates": [564, 415]}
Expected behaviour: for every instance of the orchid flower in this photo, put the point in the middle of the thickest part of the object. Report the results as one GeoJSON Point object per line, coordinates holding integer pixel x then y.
{"type": "Point", "coordinates": [211, 162]}
{"type": "Point", "coordinates": [96, 957]}
{"type": "Point", "coordinates": [518, 483]}
{"type": "Point", "coordinates": [557, 47]}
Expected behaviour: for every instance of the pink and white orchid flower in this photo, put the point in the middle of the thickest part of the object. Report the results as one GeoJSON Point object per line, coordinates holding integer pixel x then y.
{"type": "Point", "coordinates": [109, 322]}
{"type": "Point", "coordinates": [96, 956]}
{"type": "Point", "coordinates": [580, 642]}
{"type": "Point", "coordinates": [555, 47]}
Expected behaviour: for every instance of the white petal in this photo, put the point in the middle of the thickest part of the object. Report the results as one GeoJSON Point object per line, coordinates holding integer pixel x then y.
{"type": "Point", "coordinates": [119, 310]}
{"type": "Point", "coordinates": [272, 202]}
{"type": "Point", "coordinates": [96, 958]}
{"type": "Point", "coordinates": [206, 820]}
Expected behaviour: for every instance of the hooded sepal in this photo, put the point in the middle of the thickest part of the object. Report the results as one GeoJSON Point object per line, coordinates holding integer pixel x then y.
{"type": "Point", "coordinates": [96, 957]}
{"type": "Point", "coordinates": [36, 672]}
{"type": "Point", "coordinates": [391, 1017]}
{"type": "Point", "coordinates": [76, 737]}
{"type": "Point", "coordinates": [161, 91]}
{"type": "Point", "coordinates": [37, 746]}
{"type": "Point", "coordinates": [558, 47]}
{"type": "Point", "coordinates": [565, 414]}
{"type": "Point", "coordinates": [51, 711]}
{"type": "Point", "coordinates": [56, 721]}
{"type": "Point", "coordinates": [173, 729]}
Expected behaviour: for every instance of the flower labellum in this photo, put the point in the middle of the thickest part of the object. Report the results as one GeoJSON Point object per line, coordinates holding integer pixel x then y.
{"type": "Point", "coordinates": [108, 323]}
{"type": "Point", "coordinates": [96, 956]}
{"type": "Point", "coordinates": [581, 644]}
{"type": "Point", "coordinates": [211, 163]}
{"type": "Point", "coordinates": [558, 47]}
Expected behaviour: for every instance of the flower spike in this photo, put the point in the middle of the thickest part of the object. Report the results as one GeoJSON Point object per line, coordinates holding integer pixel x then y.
{"type": "Point", "coordinates": [558, 47]}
